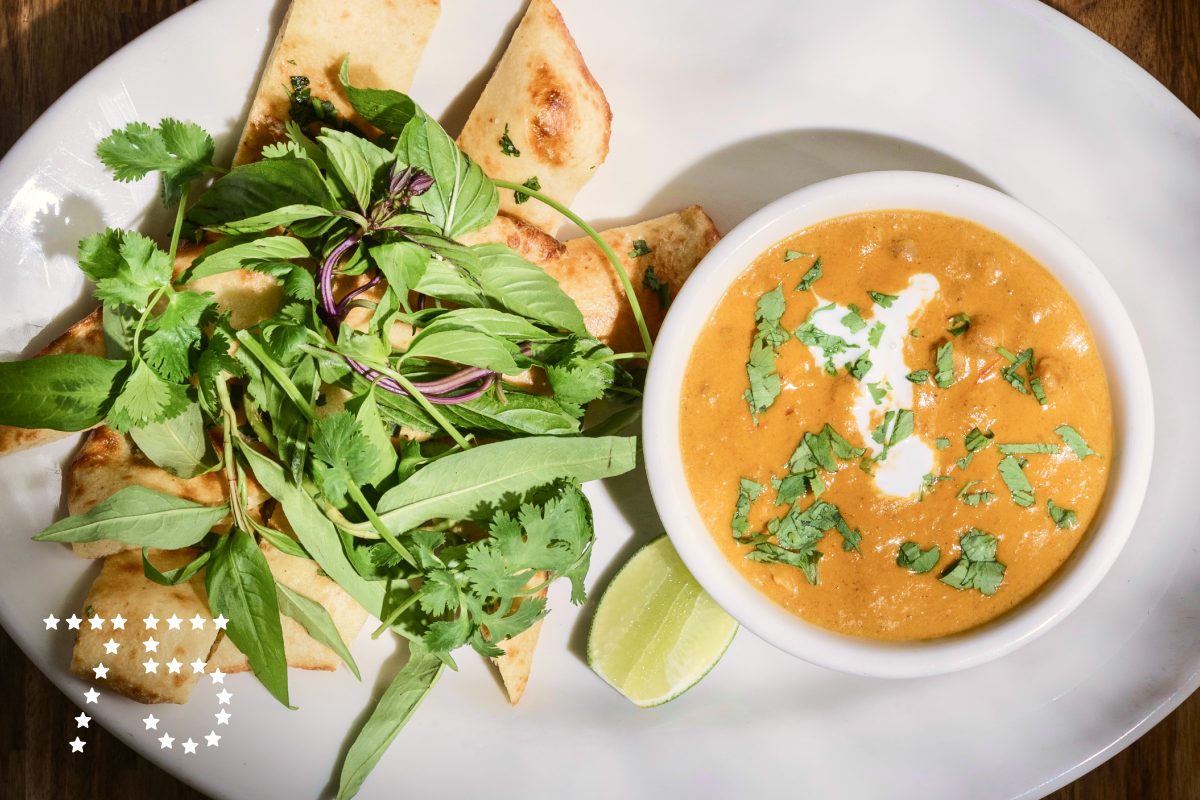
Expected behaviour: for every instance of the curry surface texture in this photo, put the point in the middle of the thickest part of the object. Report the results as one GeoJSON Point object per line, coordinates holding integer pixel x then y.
{"type": "Point", "coordinates": [1014, 303]}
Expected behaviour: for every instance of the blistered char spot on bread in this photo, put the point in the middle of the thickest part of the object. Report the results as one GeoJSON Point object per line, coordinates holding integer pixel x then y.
{"type": "Point", "coordinates": [551, 118]}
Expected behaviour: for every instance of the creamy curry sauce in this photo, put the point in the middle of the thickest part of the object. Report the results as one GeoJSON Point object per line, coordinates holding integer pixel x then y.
{"type": "Point", "coordinates": [948, 267]}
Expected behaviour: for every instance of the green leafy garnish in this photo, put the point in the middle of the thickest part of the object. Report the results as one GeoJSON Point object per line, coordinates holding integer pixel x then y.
{"type": "Point", "coordinates": [1015, 480]}
{"type": "Point", "coordinates": [860, 366]}
{"type": "Point", "coordinates": [977, 567]}
{"type": "Point", "coordinates": [912, 557]}
{"type": "Point", "coordinates": [797, 534]}
{"type": "Point", "coordinates": [1011, 373]}
{"type": "Point", "coordinates": [507, 147]}
{"type": "Point", "coordinates": [918, 376]}
{"type": "Point", "coordinates": [877, 393]}
{"type": "Point", "coordinates": [1018, 449]}
{"type": "Point", "coordinates": [853, 321]}
{"type": "Point", "coordinates": [959, 324]}
{"type": "Point", "coordinates": [944, 377]}
{"type": "Point", "coordinates": [1035, 385]}
{"type": "Point", "coordinates": [895, 428]}
{"type": "Point", "coordinates": [810, 277]}
{"type": "Point", "coordinates": [974, 498]}
{"type": "Point", "coordinates": [760, 369]}
{"type": "Point", "coordinates": [1063, 517]}
{"type": "Point", "coordinates": [1074, 441]}
{"type": "Point", "coordinates": [748, 492]}
{"type": "Point", "coordinates": [942, 443]}
{"type": "Point", "coordinates": [661, 288]}
{"type": "Point", "coordinates": [792, 255]}
{"type": "Point", "coordinates": [640, 248]}
{"type": "Point", "coordinates": [181, 151]}
{"type": "Point", "coordinates": [532, 183]}
{"type": "Point", "coordinates": [884, 300]}
{"type": "Point", "coordinates": [875, 334]}
{"type": "Point", "coordinates": [977, 440]}
{"type": "Point", "coordinates": [915, 333]}
{"type": "Point", "coordinates": [808, 334]}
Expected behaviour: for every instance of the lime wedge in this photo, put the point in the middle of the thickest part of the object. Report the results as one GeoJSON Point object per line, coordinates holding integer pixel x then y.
{"type": "Point", "coordinates": [656, 633]}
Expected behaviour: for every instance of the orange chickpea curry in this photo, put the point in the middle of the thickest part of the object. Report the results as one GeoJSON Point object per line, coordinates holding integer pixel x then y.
{"type": "Point", "coordinates": [896, 425]}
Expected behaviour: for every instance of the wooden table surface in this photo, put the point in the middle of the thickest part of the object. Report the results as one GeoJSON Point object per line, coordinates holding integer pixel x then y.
{"type": "Point", "coordinates": [47, 45]}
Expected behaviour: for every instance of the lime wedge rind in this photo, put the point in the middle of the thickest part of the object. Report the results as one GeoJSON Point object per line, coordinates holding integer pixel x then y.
{"type": "Point", "coordinates": [656, 633]}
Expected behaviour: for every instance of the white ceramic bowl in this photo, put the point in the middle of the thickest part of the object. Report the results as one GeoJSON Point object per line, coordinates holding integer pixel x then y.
{"type": "Point", "coordinates": [1116, 341]}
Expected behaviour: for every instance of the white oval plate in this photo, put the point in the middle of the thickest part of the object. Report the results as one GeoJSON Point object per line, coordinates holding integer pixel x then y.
{"type": "Point", "coordinates": [730, 109]}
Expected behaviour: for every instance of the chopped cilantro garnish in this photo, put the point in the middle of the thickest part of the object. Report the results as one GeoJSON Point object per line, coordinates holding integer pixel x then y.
{"type": "Point", "coordinates": [798, 533]}
{"type": "Point", "coordinates": [830, 367]}
{"type": "Point", "coordinates": [884, 300]}
{"type": "Point", "coordinates": [810, 277]}
{"type": "Point", "coordinates": [974, 498]}
{"type": "Point", "coordinates": [912, 557]}
{"type": "Point", "coordinates": [760, 369]}
{"type": "Point", "coordinates": [966, 460]}
{"type": "Point", "coordinates": [860, 366]}
{"type": "Point", "coordinates": [1075, 441]}
{"type": "Point", "coordinates": [1017, 449]}
{"type": "Point", "coordinates": [748, 492]}
{"type": "Point", "coordinates": [1008, 355]}
{"type": "Point", "coordinates": [1035, 385]}
{"type": "Point", "coordinates": [875, 334]}
{"type": "Point", "coordinates": [1015, 480]}
{"type": "Point", "coordinates": [977, 440]}
{"type": "Point", "coordinates": [1011, 374]}
{"type": "Point", "coordinates": [918, 376]}
{"type": "Point", "coordinates": [640, 248]}
{"type": "Point", "coordinates": [663, 290]}
{"type": "Point", "coordinates": [533, 184]}
{"type": "Point", "coordinates": [809, 334]}
{"type": "Point", "coordinates": [895, 428]}
{"type": "Point", "coordinates": [915, 333]}
{"type": "Point", "coordinates": [944, 377]}
{"type": "Point", "coordinates": [790, 489]}
{"type": "Point", "coordinates": [959, 324]}
{"type": "Point", "coordinates": [792, 255]}
{"type": "Point", "coordinates": [853, 321]}
{"type": "Point", "coordinates": [942, 443]}
{"type": "Point", "coordinates": [877, 393]}
{"type": "Point", "coordinates": [506, 145]}
{"type": "Point", "coordinates": [1063, 517]}
{"type": "Point", "coordinates": [850, 538]}
{"type": "Point", "coordinates": [977, 568]}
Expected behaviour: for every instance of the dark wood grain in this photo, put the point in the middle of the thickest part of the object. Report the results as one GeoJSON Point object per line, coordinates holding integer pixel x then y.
{"type": "Point", "coordinates": [47, 45]}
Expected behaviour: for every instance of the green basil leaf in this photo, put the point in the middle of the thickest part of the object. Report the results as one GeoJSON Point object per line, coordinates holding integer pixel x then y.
{"type": "Point", "coordinates": [475, 483]}
{"type": "Point", "coordinates": [360, 165]}
{"type": "Point", "coordinates": [464, 347]}
{"type": "Point", "coordinates": [173, 577]}
{"type": "Point", "coordinates": [522, 288]}
{"type": "Point", "coordinates": [240, 587]}
{"type": "Point", "coordinates": [65, 392]}
{"type": "Point", "coordinates": [446, 282]}
{"type": "Point", "coordinates": [141, 516]}
{"type": "Point", "coordinates": [243, 252]}
{"type": "Point", "coordinates": [387, 110]}
{"type": "Point", "coordinates": [409, 688]}
{"type": "Point", "coordinates": [402, 263]}
{"type": "Point", "coordinates": [462, 198]}
{"type": "Point", "coordinates": [261, 188]}
{"type": "Point", "coordinates": [315, 620]}
{"type": "Point", "coordinates": [286, 217]}
{"type": "Point", "coordinates": [179, 445]}
{"type": "Point", "coordinates": [492, 322]}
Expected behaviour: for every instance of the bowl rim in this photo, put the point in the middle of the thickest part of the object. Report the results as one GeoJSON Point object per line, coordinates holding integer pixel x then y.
{"type": "Point", "coordinates": [1116, 341]}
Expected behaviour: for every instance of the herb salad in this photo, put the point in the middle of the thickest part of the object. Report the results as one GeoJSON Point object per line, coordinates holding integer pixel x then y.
{"type": "Point", "coordinates": [441, 537]}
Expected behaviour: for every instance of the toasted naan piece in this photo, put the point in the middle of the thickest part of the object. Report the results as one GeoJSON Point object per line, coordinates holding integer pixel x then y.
{"type": "Point", "coordinates": [85, 337]}
{"type": "Point", "coordinates": [384, 38]}
{"type": "Point", "coordinates": [109, 462]}
{"type": "Point", "coordinates": [517, 660]}
{"type": "Point", "coordinates": [122, 589]}
{"type": "Point", "coordinates": [299, 575]}
{"type": "Point", "coordinates": [677, 243]}
{"type": "Point", "coordinates": [249, 297]}
{"type": "Point", "coordinates": [555, 114]}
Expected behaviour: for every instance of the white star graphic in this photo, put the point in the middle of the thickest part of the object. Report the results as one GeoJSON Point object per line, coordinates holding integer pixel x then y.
{"type": "Point", "coordinates": [223, 697]}
{"type": "Point", "coordinates": [217, 675]}
{"type": "Point", "coordinates": [197, 622]}
{"type": "Point", "coordinates": [222, 717]}
{"type": "Point", "coordinates": [173, 665]}
{"type": "Point", "coordinates": [92, 696]}
{"type": "Point", "coordinates": [73, 622]}
{"type": "Point", "coordinates": [190, 747]}
{"type": "Point", "coordinates": [165, 741]}
{"type": "Point", "coordinates": [151, 645]}
{"type": "Point", "coordinates": [82, 720]}
{"type": "Point", "coordinates": [221, 622]}
{"type": "Point", "coordinates": [198, 666]}
{"type": "Point", "coordinates": [173, 623]}
{"type": "Point", "coordinates": [151, 622]}
{"type": "Point", "coordinates": [118, 622]}
{"type": "Point", "coordinates": [110, 647]}
{"type": "Point", "coordinates": [51, 623]}
{"type": "Point", "coordinates": [213, 739]}
{"type": "Point", "coordinates": [77, 745]}
{"type": "Point", "coordinates": [151, 722]}
{"type": "Point", "coordinates": [97, 622]}
{"type": "Point", "coordinates": [101, 671]}
{"type": "Point", "coordinates": [151, 666]}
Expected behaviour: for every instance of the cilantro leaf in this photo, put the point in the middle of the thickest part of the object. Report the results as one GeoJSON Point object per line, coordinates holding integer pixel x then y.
{"type": "Point", "coordinates": [760, 369]}
{"type": "Point", "coordinates": [1015, 480]}
{"type": "Point", "coordinates": [959, 324]}
{"type": "Point", "coordinates": [977, 568]}
{"type": "Point", "coordinates": [876, 334]}
{"type": "Point", "coordinates": [1011, 373]}
{"type": "Point", "coordinates": [662, 288]}
{"type": "Point", "coordinates": [942, 443]}
{"type": "Point", "coordinates": [532, 183]}
{"type": "Point", "coordinates": [810, 277]}
{"type": "Point", "coordinates": [877, 393]}
{"type": "Point", "coordinates": [1074, 441]}
{"type": "Point", "coordinates": [918, 376]}
{"type": "Point", "coordinates": [1063, 517]}
{"type": "Point", "coordinates": [884, 300]}
{"type": "Point", "coordinates": [767, 553]}
{"type": "Point", "coordinates": [748, 492]}
{"type": "Point", "coordinates": [841, 447]}
{"type": "Point", "coordinates": [213, 361]}
{"type": "Point", "coordinates": [977, 440]}
{"type": "Point", "coordinates": [180, 151]}
{"type": "Point", "coordinates": [912, 557]}
{"type": "Point", "coordinates": [850, 538]}
{"type": "Point", "coordinates": [640, 248]}
{"type": "Point", "coordinates": [853, 321]}
{"type": "Point", "coordinates": [974, 498]}
{"type": "Point", "coordinates": [146, 398]}
{"type": "Point", "coordinates": [177, 334]}
{"type": "Point", "coordinates": [1035, 385]}
{"type": "Point", "coordinates": [808, 334]}
{"type": "Point", "coordinates": [506, 145]}
{"type": "Point", "coordinates": [860, 366]}
{"type": "Point", "coordinates": [1017, 449]}
{"type": "Point", "coordinates": [346, 452]}
{"type": "Point", "coordinates": [788, 490]}
{"type": "Point", "coordinates": [944, 377]}
{"type": "Point", "coordinates": [792, 255]}
{"type": "Point", "coordinates": [126, 266]}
